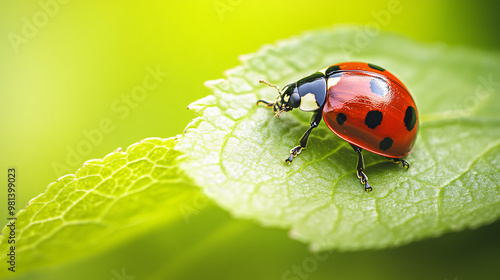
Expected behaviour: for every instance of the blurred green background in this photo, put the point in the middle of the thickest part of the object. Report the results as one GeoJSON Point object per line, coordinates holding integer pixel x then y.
{"type": "Point", "coordinates": [70, 72]}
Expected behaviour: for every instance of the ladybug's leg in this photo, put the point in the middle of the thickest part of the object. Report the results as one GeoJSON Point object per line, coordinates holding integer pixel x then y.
{"type": "Point", "coordinates": [361, 167]}
{"type": "Point", "coordinates": [402, 161]}
{"type": "Point", "coordinates": [315, 120]}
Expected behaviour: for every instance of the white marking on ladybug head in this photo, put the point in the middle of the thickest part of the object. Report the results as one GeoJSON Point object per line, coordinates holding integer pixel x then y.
{"type": "Point", "coordinates": [332, 81]}
{"type": "Point", "coordinates": [323, 71]}
{"type": "Point", "coordinates": [308, 103]}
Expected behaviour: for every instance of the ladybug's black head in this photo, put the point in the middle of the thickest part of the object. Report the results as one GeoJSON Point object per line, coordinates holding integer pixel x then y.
{"type": "Point", "coordinates": [285, 101]}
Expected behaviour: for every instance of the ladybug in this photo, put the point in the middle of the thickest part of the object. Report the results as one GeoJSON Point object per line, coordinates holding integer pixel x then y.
{"type": "Point", "coordinates": [361, 103]}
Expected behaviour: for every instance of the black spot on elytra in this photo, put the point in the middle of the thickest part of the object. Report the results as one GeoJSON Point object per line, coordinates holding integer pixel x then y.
{"type": "Point", "coordinates": [373, 66]}
{"type": "Point", "coordinates": [373, 119]}
{"type": "Point", "coordinates": [378, 86]}
{"type": "Point", "coordinates": [410, 118]}
{"type": "Point", "coordinates": [386, 143]}
{"type": "Point", "coordinates": [341, 118]}
{"type": "Point", "coordinates": [331, 70]}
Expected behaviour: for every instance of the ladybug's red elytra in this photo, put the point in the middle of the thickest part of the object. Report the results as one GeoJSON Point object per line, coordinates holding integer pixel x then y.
{"type": "Point", "coordinates": [361, 103]}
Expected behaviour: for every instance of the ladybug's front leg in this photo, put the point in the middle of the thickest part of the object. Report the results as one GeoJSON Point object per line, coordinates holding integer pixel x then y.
{"type": "Point", "coordinates": [361, 167]}
{"type": "Point", "coordinates": [315, 120]}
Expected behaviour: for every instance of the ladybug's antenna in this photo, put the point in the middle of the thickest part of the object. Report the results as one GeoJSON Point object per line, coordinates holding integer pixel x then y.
{"type": "Point", "coordinates": [271, 85]}
{"type": "Point", "coordinates": [269, 104]}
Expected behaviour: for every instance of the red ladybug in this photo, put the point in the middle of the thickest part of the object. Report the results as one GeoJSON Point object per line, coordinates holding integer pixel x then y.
{"type": "Point", "coordinates": [361, 103]}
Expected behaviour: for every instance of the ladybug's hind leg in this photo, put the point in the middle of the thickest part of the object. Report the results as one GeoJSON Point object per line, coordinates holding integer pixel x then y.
{"type": "Point", "coordinates": [361, 167]}
{"type": "Point", "coordinates": [315, 120]}
{"type": "Point", "coordinates": [403, 162]}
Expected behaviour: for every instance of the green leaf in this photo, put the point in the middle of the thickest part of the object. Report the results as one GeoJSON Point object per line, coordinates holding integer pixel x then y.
{"type": "Point", "coordinates": [106, 202]}
{"type": "Point", "coordinates": [235, 150]}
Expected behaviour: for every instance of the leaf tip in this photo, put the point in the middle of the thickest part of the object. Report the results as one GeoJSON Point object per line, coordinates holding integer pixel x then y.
{"type": "Point", "coordinates": [211, 83]}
